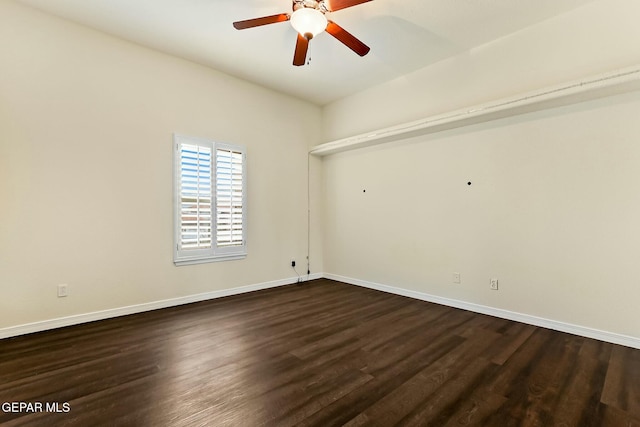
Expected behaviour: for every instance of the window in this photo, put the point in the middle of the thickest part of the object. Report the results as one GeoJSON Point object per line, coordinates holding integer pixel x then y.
{"type": "Point", "coordinates": [210, 201]}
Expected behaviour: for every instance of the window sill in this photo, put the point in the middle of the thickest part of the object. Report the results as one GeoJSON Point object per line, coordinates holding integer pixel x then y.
{"type": "Point", "coordinates": [204, 260]}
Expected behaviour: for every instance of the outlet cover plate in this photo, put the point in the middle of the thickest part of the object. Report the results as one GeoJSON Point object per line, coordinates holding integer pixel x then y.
{"type": "Point", "coordinates": [62, 291]}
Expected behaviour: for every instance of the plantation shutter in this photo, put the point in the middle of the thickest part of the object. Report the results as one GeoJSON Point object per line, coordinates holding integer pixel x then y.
{"type": "Point", "coordinates": [195, 197]}
{"type": "Point", "coordinates": [209, 201]}
{"type": "Point", "coordinates": [229, 197]}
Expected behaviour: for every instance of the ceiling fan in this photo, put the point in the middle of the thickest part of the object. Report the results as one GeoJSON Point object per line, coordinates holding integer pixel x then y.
{"type": "Point", "coordinates": [309, 20]}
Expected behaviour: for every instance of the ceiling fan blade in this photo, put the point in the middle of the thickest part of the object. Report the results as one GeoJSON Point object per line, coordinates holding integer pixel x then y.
{"type": "Point", "coordinates": [300, 55]}
{"type": "Point", "coordinates": [343, 4]}
{"type": "Point", "coordinates": [347, 39]}
{"type": "Point", "coordinates": [250, 23]}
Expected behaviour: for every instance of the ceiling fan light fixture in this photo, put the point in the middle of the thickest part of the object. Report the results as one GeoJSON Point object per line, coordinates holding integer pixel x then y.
{"type": "Point", "coordinates": [308, 22]}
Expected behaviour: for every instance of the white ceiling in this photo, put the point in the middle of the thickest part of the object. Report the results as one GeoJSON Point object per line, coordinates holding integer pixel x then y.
{"type": "Point", "coordinates": [404, 35]}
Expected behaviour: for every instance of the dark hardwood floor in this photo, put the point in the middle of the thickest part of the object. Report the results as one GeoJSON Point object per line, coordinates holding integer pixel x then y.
{"type": "Point", "coordinates": [318, 354]}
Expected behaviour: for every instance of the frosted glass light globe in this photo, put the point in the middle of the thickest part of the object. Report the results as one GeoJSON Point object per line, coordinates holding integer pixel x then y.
{"type": "Point", "coordinates": [308, 22]}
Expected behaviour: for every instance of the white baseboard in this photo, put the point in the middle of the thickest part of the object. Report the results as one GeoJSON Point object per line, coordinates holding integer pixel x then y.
{"type": "Point", "coordinates": [60, 322]}
{"type": "Point", "coordinates": [583, 331]}
{"type": "Point", "coordinates": [611, 337]}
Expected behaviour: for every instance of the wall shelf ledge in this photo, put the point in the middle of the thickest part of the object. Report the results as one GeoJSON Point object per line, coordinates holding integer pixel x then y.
{"type": "Point", "coordinates": [608, 84]}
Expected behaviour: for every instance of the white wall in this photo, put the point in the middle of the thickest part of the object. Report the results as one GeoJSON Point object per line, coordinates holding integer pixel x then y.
{"type": "Point", "coordinates": [599, 37]}
{"type": "Point", "coordinates": [552, 212]}
{"type": "Point", "coordinates": [86, 123]}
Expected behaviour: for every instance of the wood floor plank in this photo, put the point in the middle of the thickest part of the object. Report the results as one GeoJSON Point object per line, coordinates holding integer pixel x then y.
{"type": "Point", "coordinates": [404, 400]}
{"type": "Point", "coordinates": [358, 330]}
{"type": "Point", "coordinates": [613, 417]}
{"type": "Point", "coordinates": [384, 382]}
{"type": "Point", "coordinates": [578, 399]}
{"type": "Point", "coordinates": [322, 353]}
{"type": "Point", "coordinates": [511, 340]}
{"type": "Point", "coordinates": [475, 410]}
{"type": "Point", "coordinates": [535, 386]}
{"type": "Point", "coordinates": [622, 386]}
{"type": "Point", "coordinates": [440, 407]}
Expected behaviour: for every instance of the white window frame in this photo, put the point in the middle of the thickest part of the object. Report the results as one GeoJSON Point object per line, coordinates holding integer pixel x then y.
{"type": "Point", "coordinates": [215, 252]}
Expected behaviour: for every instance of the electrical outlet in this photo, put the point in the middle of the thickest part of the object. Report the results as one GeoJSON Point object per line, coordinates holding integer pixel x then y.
{"type": "Point", "coordinates": [494, 284]}
{"type": "Point", "coordinates": [293, 262]}
{"type": "Point", "coordinates": [62, 291]}
{"type": "Point", "coordinates": [456, 277]}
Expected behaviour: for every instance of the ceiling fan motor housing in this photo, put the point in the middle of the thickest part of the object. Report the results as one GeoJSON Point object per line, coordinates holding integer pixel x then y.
{"type": "Point", "coordinates": [311, 4]}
